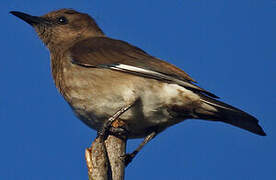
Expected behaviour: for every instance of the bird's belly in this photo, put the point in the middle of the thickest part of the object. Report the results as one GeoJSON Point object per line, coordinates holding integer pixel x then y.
{"type": "Point", "coordinates": [145, 114]}
{"type": "Point", "coordinates": [96, 99]}
{"type": "Point", "coordinates": [139, 123]}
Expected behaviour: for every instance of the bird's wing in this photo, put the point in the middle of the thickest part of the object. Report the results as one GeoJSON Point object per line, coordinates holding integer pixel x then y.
{"type": "Point", "coordinates": [103, 52]}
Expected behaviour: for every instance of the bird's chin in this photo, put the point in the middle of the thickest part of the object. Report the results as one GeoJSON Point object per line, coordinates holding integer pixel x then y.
{"type": "Point", "coordinates": [44, 34]}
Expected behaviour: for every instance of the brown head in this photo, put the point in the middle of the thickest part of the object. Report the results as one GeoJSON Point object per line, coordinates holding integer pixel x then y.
{"type": "Point", "coordinates": [62, 27]}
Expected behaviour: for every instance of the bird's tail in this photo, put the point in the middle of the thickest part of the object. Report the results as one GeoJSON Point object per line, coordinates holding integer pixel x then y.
{"type": "Point", "coordinates": [215, 110]}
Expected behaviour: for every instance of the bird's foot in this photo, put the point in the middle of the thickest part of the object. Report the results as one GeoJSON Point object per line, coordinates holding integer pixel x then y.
{"type": "Point", "coordinates": [114, 125]}
{"type": "Point", "coordinates": [119, 129]}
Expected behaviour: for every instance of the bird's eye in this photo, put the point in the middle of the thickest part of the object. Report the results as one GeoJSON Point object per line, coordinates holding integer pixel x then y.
{"type": "Point", "coordinates": [62, 20]}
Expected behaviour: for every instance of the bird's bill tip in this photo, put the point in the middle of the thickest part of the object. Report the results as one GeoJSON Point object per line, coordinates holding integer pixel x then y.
{"type": "Point", "coordinates": [263, 134]}
{"type": "Point", "coordinates": [259, 130]}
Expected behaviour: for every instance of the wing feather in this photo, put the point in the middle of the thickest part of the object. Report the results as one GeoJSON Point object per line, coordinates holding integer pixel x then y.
{"type": "Point", "coordinates": [103, 52]}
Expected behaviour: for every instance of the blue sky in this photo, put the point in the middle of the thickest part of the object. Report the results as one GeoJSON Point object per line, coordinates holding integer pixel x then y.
{"type": "Point", "coordinates": [227, 46]}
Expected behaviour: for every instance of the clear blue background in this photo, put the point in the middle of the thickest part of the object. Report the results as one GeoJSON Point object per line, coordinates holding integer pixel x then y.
{"type": "Point", "coordinates": [227, 46]}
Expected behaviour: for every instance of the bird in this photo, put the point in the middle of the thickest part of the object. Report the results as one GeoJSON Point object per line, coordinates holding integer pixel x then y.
{"type": "Point", "coordinates": [98, 75]}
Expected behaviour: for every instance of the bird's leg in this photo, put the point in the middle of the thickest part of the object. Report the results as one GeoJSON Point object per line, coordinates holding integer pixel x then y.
{"type": "Point", "coordinates": [103, 132]}
{"type": "Point", "coordinates": [129, 157]}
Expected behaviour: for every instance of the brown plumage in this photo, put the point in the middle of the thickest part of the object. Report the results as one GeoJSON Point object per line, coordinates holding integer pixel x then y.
{"type": "Point", "coordinates": [106, 52]}
{"type": "Point", "coordinates": [98, 75]}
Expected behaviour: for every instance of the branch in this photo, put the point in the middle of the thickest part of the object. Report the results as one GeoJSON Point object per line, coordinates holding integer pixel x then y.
{"type": "Point", "coordinates": [104, 159]}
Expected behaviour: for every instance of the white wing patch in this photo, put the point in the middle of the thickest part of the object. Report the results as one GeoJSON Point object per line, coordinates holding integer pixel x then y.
{"type": "Point", "coordinates": [150, 73]}
{"type": "Point", "coordinates": [125, 67]}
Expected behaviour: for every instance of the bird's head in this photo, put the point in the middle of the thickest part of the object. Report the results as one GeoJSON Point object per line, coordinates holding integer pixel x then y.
{"type": "Point", "coordinates": [62, 27]}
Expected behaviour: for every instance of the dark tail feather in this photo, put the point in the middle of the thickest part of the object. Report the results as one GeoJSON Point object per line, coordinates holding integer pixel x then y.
{"type": "Point", "coordinates": [212, 109]}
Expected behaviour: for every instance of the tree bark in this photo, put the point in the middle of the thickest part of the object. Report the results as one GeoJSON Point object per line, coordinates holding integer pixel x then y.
{"type": "Point", "coordinates": [116, 149]}
{"type": "Point", "coordinates": [97, 161]}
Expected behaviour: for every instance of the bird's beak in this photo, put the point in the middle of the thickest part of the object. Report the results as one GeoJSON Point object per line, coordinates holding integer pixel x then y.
{"type": "Point", "coordinates": [32, 20]}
